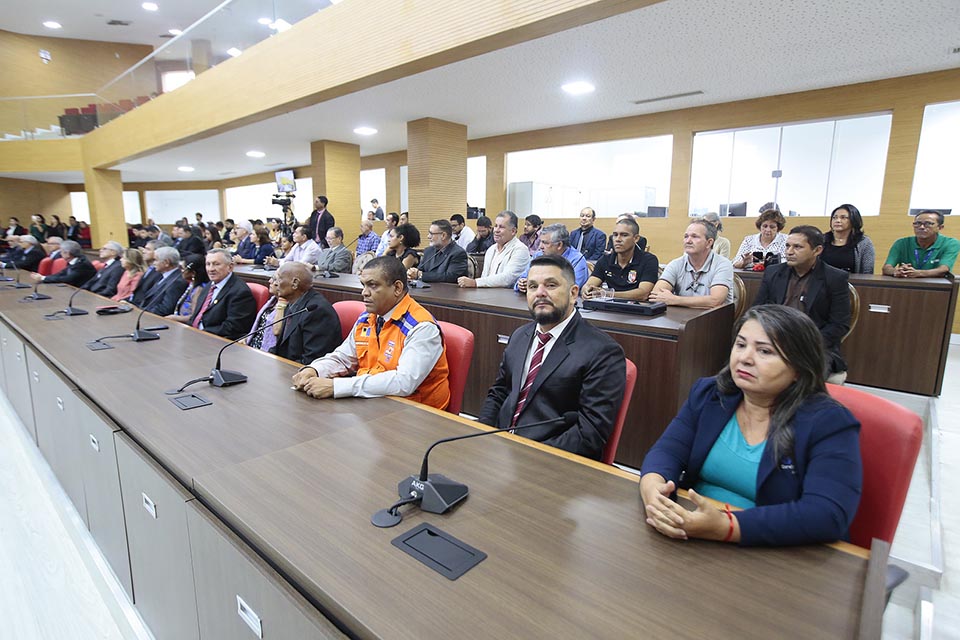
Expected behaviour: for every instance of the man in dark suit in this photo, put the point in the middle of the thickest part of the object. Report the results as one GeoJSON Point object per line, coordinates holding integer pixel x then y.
{"type": "Point", "coordinates": [229, 307]}
{"type": "Point", "coordinates": [307, 336]}
{"type": "Point", "coordinates": [443, 260]}
{"type": "Point", "coordinates": [161, 298]}
{"type": "Point", "coordinates": [558, 363]}
{"type": "Point", "coordinates": [191, 241]}
{"type": "Point", "coordinates": [26, 256]}
{"type": "Point", "coordinates": [320, 221]}
{"type": "Point", "coordinates": [808, 284]}
{"type": "Point", "coordinates": [105, 281]}
{"type": "Point", "coordinates": [79, 270]}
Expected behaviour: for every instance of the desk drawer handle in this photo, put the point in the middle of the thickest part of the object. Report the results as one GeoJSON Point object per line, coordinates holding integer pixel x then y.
{"type": "Point", "coordinates": [94, 443]}
{"type": "Point", "coordinates": [502, 339]}
{"type": "Point", "coordinates": [249, 616]}
{"type": "Point", "coordinates": [60, 403]}
{"type": "Point", "coordinates": [149, 505]}
{"type": "Point", "coordinates": [879, 308]}
{"type": "Point", "coordinates": [36, 377]}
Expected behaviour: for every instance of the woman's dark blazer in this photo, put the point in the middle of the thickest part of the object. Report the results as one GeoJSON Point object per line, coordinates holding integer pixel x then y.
{"type": "Point", "coordinates": [808, 497]}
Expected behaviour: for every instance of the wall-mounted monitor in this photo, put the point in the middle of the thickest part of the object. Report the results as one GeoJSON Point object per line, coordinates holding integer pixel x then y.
{"type": "Point", "coordinates": [734, 209]}
{"type": "Point", "coordinates": [285, 181]}
{"type": "Point", "coordinates": [656, 212]}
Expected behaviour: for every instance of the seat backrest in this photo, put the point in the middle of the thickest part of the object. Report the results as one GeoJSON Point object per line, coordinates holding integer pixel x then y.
{"type": "Point", "coordinates": [98, 265]}
{"type": "Point", "coordinates": [362, 261]}
{"type": "Point", "coordinates": [45, 265]}
{"type": "Point", "coordinates": [473, 267]}
{"type": "Point", "coordinates": [260, 293]}
{"type": "Point", "coordinates": [72, 111]}
{"type": "Point", "coordinates": [58, 265]}
{"type": "Point", "coordinates": [459, 344]}
{"type": "Point", "coordinates": [348, 311]}
{"type": "Point", "coordinates": [739, 296]}
{"type": "Point", "coordinates": [890, 438]}
{"type": "Point", "coordinates": [854, 310]}
{"type": "Point", "coordinates": [610, 449]}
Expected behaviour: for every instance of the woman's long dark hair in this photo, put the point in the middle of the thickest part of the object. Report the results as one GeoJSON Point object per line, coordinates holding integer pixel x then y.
{"type": "Point", "coordinates": [856, 224]}
{"type": "Point", "coordinates": [798, 341]}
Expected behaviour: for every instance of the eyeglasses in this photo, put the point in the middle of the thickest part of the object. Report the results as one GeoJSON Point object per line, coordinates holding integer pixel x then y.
{"type": "Point", "coordinates": [841, 217]}
{"type": "Point", "coordinates": [927, 224]}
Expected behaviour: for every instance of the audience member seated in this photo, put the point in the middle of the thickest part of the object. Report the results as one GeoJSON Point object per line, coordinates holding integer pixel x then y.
{"type": "Point", "coordinates": [927, 254]}
{"type": "Point", "coordinates": [764, 436]}
{"type": "Point", "coordinates": [392, 221]}
{"type": "Point", "coordinates": [132, 263]}
{"type": "Point", "coordinates": [721, 245]}
{"type": "Point", "coordinates": [443, 260]}
{"type": "Point", "coordinates": [641, 241]}
{"type": "Point", "coordinates": [228, 309]}
{"type": "Point", "coordinates": [104, 282]}
{"type": "Point", "coordinates": [52, 247]}
{"type": "Point", "coordinates": [275, 227]}
{"type": "Point", "coordinates": [845, 246]}
{"type": "Point", "coordinates": [163, 295]}
{"type": "Point", "coordinates": [157, 234]}
{"type": "Point", "coordinates": [367, 240]}
{"type": "Point", "coordinates": [700, 278]}
{"type": "Point", "coordinates": [263, 248]}
{"type": "Point", "coordinates": [555, 241]}
{"type": "Point", "coordinates": [73, 230]}
{"type": "Point", "coordinates": [304, 250]}
{"type": "Point", "coordinates": [463, 235]}
{"type": "Point", "coordinates": [211, 238]}
{"type": "Point", "coordinates": [84, 235]}
{"type": "Point", "coordinates": [225, 233]}
{"type": "Point", "coordinates": [505, 260]}
{"type": "Point", "coordinates": [26, 256]}
{"type": "Point", "coordinates": [336, 258]}
{"type": "Point", "coordinates": [404, 239]}
{"type": "Point", "coordinates": [413, 363]}
{"type": "Point", "coordinates": [769, 241]}
{"type": "Point", "coordinates": [265, 337]}
{"type": "Point", "coordinates": [556, 364]}
{"type": "Point", "coordinates": [484, 239]}
{"type": "Point", "coordinates": [811, 286]}
{"type": "Point", "coordinates": [14, 229]}
{"type": "Point", "coordinates": [531, 233]}
{"type": "Point", "coordinates": [38, 227]}
{"type": "Point", "coordinates": [194, 273]}
{"type": "Point", "coordinates": [79, 270]}
{"type": "Point", "coordinates": [56, 227]}
{"type": "Point", "coordinates": [628, 272]}
{"type": "Point", "coordinates": [308, 336]}
{"type": "Point", "coordinates": [150, 275]}
{"type": "Point", "coordinates": [244, 246]}
{"type": "Point", "coordinates": [587, 239]}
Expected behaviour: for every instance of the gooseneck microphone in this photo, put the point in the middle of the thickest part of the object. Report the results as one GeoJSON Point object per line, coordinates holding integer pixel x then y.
{"type": "Point", "coordinates": [36, 295]}
{"type": "Point", "coordinates": [437, 493]}
{"type": "Point", "coordinates": [72, 310]}
{"type": "Point", "coordinates": [140, 335]}
{"type": "Point", "coordinates": [223, 378]}
{"type": "Point", "coordinates": [18, 284]}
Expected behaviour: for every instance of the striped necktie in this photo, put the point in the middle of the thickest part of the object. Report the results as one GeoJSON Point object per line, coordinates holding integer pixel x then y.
{"type": "Point", "coordinates": [535, 363]}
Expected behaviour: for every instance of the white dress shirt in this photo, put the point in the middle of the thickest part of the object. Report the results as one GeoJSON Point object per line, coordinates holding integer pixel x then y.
{"type": "Point", "coordinates": [307, 253]}
{"type": "Point", "coordinates": [466, 237]}
{"type": "Point", "coordinates": [422, 349]}
{"type": "Point", "coordinates": [502, 267]}
{"type": "Point", "coordinates": [555, 332]}
{"type": "Point", "coordinates": [384, 241]}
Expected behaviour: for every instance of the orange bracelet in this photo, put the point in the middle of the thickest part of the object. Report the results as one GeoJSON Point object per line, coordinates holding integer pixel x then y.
{"type": "Point", "coordinates": [729, 517]}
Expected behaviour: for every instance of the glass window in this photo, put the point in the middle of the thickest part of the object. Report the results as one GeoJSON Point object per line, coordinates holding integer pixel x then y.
{"type": "Point", "coordinates": [403, 189]}
{"type": "Point", "coordinates": [935, 183]}
{"type": "Point", "coordinates": [254, 201]}
{"type": "Point", "coordinates": [80, 206]}
{"type": "Point", "coordinates": [805, 166]}
{"type": "Point", "coordinates": [373, 184]}
{"type": "Point", "coordinates": [166, 207]}
{"type": "Point", "coordinates": [612, 177]}
{"type": "Point", "coordinates": [710, 178]}
{"type": "Point", "coordinates": [755, 157]}
{"type": "Point", "coordinates": [477, 182]}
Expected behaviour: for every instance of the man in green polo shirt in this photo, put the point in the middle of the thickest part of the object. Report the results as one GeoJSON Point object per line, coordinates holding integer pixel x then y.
{"type": "Point", "coordinates": [927, 255]}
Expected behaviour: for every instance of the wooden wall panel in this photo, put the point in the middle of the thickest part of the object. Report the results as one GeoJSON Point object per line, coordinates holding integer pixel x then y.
{"type": "Point", "coordinates": [105, 195]}
{"type": "Point", "coordinates": [437, 171]}
{"type": "Point", "coordinates": [336, 174]}
{"type": "Point", "coordinates": [41, 155]}
{"type": "Point", "coordinates": [23, 198]}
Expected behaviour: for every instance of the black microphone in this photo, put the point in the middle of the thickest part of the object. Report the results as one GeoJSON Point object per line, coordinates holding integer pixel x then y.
{"type": "Point", "coordinates": [223, 378]}
{"type": "Point", "coordinates": [141, 335]}
{"type": "Point", "coordinates": [72, 310]}
{"type": "Point", "coordinates": [437, 493]}
{"type": "Point", "coordinates": [35, 295]}
{"type": "Point", "coordinates": [18, 284]}
{"type": "Point", "coordinates": [3, 273]}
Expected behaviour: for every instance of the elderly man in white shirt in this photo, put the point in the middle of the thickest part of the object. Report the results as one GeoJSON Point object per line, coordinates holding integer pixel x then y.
{"type": "Point", "coordinates": [505, 260]}
{"type": "Point", "coordinates": [304, 250]}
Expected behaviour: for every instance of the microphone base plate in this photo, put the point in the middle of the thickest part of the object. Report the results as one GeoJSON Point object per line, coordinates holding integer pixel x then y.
{"type": "Point", "coordinates": [21, 285]}
{"type": "Point", "coordinates": [225, 378]}
{"type": "Point", "coordinates": [384, 519]}
{"type": "Point", "coordinates": [440, 493]}
{"type": "Point", "coordinates": [74, 311]}
{"type": "Point", "coordinates": [141, 336]}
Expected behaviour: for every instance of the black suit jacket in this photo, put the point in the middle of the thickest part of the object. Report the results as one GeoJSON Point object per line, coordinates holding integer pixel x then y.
{"type": "Point", "coordinates": [146, 283]}
{"type": "Point", "coordinates": [584, 372]}
{"type": "Point", "coordinates": [318, 225]}
{"type": "Point", "coordinates": [232, 312]}
{"type": "Point", "coordinates": [445, 267]}
{"type": "Point", "coordinates": [827, 302]}
{"type": "Point", "coordinates": [76, 274]}
{"type": "Point", "coordinates": [105, 281]}
{"type": "Point", "coordinates": [193, 245]}
{"type": "Point", "coordinates": [310, 335]}
{"type": "Point", "coordinates": [26, 260]}
{"type": "Point", "coordinates": [163, 296]}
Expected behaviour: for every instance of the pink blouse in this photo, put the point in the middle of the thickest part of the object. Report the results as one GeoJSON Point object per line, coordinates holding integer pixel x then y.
{"type": "Point", "coordinates": [127, 285]}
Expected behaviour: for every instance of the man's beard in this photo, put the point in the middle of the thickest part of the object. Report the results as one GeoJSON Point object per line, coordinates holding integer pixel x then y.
{"type": "Point", "coordinates": [548, 315]}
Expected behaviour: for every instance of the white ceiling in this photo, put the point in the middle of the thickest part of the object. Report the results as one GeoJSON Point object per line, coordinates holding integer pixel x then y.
{"type": "Point", "coordinates": [730, 51]}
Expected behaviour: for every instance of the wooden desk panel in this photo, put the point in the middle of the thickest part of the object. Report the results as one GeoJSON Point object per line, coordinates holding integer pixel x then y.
{"type": "Point", "coordinates": [901, 344]}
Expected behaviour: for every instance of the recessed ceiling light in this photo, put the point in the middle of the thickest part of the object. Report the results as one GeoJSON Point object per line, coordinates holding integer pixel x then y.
{"type": "Point", "coordinates": [578, 88]}
{"type": "Point", "coordinates": [150, 6]}
{"type": "Point", "coordinates": [51, 24]}
{"type": "Point", "coordinates": [280, 25]}
{"type": "Point", "coordinates": [255, 154]}
{"type": "Point", "coordinates": [234, 52]}
{"type": "Point", "coordinates": [365, 131]}
{"type": "Point", "coordinates": [265, 21]}
{"type": "Point", "coordinates": [174, 32]}
{"type": "Point", "coordinates": [185, 169]}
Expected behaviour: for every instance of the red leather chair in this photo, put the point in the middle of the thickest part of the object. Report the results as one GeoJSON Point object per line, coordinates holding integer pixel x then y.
{"type": "Point", "coordinates": [260, 293]}
{"type": "Point", "coordinates": [98, 265]}
{"type": "Point", "coordinates": [610, 450]}
{"type": "Point", "coordinates": [45, 266]}
{"type": "Point", "coordinates": [58, 265]}
{"type": "Point", "coordinates": [890, 438]}
{"type": "Point", "coordinates": [459, 344]}
{"type": "Point", "coordinates": [348, 311]}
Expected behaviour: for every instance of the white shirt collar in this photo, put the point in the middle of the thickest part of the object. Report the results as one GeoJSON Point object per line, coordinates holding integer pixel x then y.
{"type": "Point", "coordinates": [557, 330]}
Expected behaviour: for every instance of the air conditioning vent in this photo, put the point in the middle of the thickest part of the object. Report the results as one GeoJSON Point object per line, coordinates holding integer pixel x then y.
{"type": "Point", "coordinates": [119, 23]}
{"type": "Point", "coordinates": [165, 35]}
{"type": "Point", "coordinates": [275, 164]}
{"type": "Point", "coordinates": [670, 97]}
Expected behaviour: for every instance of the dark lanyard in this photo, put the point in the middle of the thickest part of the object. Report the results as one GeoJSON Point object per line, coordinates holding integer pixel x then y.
{"type": "Point", "coordinates": [916, 257]}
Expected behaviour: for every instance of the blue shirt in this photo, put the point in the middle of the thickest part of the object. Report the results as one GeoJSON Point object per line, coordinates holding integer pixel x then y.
{"type": "Point", "coordinates": [729, 473]}
{"type": "Point", "coordinates": [574, 257]}
{"type": "Point", "coordinates": [367, 242]}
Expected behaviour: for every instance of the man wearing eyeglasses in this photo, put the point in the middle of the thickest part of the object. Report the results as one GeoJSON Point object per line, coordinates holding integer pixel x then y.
{"type": "Point", "coordinates": [699, 278]}
{"type": "Point", "coordinates": [927, 254]}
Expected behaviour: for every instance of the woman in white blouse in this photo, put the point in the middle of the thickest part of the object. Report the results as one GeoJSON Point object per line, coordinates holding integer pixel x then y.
{"type": "Point", "coordinates": [769, 240]}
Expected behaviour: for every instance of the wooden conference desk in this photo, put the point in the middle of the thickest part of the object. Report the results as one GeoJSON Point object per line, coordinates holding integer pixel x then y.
{"type": "Point", "coordinates": [903, 333]}
{"type": "Point", "coordinates": [273, 492]}
{"type": "Point", "coordinates": [671, 351]}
